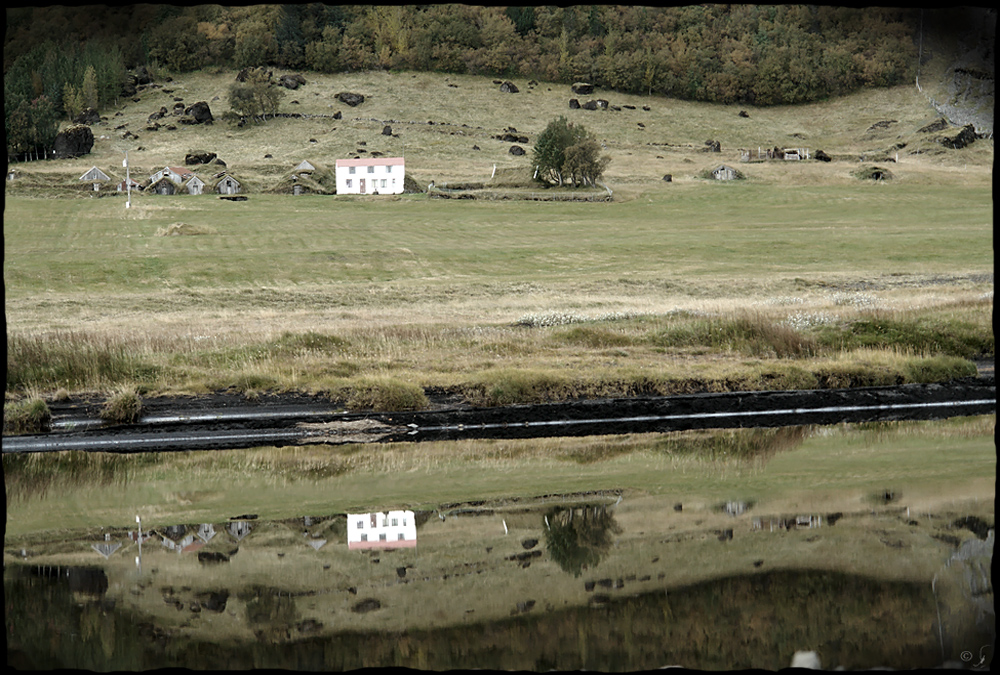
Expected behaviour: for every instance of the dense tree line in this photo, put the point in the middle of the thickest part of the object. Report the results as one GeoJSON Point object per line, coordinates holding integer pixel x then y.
{"type": "Point", "coordinates": [754, 54]}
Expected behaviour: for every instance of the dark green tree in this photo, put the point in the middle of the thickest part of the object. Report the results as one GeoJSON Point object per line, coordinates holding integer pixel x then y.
{"type": "Point", "coordinates": [257, 97]}
{"type": "Point", "coordinates": [567, 152]}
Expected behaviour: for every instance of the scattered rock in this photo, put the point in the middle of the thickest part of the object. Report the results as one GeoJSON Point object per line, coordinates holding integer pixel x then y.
{"type": "Point", "coordinates": [350, 99]}
{"type": "Point", "coordinates": [713, 146]}
{"type": "Point", "coordinates": [211, 556]}
{"type": "Point", "coordinates": [87, 116]}
{"type": "Point", "coordinates": [582, 88]}
{"type": "Point", "coordinates": [387, 130]}
{"type": "Point", "coordinates": [744, 113]}
{"type": "Point", "coordinates": [574, 104]}
{"type": "Point", "coordinates": [516, 150]}
{"type": "Point", "coordinates": [938, 125]}
{"type": "Point", "coordinates": [199, 112]}
{"type": "Point", "coordinates": [291, 81]}
{"type": "Point", "coordinates": [589, 105]}
{"type": "Point", "coordinates": [214, 601]}
{"type": "Point", "coordinates": [821, 156]}
{"type": "Point", "coordinates": [529, 543]}
{"type": "Point", "coordinates": [193, 158]}
{"type": "Point", "coordinates": [667, 178]}
{"type": "Point", "coordinates": [367, 605]}
{"type": "Point", "coordinates": [508, 87]}
{"type": "Point", "coordinates": [966, 136]}
{"type": "Point", "coordinates": [884, 124]}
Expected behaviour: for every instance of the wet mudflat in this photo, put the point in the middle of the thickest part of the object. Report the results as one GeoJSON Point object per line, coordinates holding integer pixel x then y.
{"type": "Point", "coordinates": [227, 421]}
{"type": "Point", "coordinates": [739, 571]}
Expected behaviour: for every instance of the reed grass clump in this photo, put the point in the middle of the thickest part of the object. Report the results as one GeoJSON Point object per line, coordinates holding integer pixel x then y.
{"type": "Point", "coordinates": [75, 359]}
{"type": "Point", "coordinates": [919, 334]}
{"type": "Point", "coordinates": [752, 334]}
{"type": "Point", "coordinates": [26, 416]}
{"type": "Point", "coordinates": [381, 394]}
{"type": "Point", "coordinates": [122, 407]}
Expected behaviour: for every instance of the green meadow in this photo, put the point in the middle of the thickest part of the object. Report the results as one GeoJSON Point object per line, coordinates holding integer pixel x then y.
{"type": "Point", "coordinates": [800, 275]}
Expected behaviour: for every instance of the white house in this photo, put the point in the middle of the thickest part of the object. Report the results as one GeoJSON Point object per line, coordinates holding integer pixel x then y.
{"type": "Point", "coordinates": [393, 529]}
{"type": "Point", "coordinates": [370, 175]}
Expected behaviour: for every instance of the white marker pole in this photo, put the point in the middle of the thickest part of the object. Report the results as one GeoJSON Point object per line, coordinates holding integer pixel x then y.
{"type": "Point", "coordinates": [128, 200]}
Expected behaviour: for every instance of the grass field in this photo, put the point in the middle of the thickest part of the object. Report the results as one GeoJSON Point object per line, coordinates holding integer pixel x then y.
{"type": "Point", "coordinates": [324, 293]}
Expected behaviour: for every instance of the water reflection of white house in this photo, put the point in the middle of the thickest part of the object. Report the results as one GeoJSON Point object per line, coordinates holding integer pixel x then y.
{"type": "Point", "coordinates": [393, 529]}
{"type": "Point", "coordinates": [786, 522]}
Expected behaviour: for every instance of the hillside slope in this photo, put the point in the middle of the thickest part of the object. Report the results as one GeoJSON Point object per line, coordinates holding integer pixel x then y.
{"type": "Point", "coordinates": [458, 128]}
{"type": "Point", "coordinates": [958, 53]}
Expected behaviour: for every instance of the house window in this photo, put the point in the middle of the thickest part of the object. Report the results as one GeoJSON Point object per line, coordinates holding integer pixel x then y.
{"type": "Point", "coordinates": [371, 169]}
{"type": "Point", "coordinates": [400, 536]}
{"type": "Point", "coordinates": [388, 168]}
{"type": "Point", "coordinates": [348, 182]}
{"type": "Point", "coordinates": [364, 536]}
{"type": "Point", "coordinates": [361, 524]}
{"type": "Point", "coordinates": [382, 537]}
{"type": "Point", "coordinates": [395, 522]}
{"type": "Point", "coordinates": [383, 182]}
{"type": "Point", "coordinates": [351, 170]}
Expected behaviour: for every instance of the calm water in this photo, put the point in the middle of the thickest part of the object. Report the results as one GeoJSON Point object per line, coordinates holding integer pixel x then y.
{"type": "Point", "coordinates": [607, 581]}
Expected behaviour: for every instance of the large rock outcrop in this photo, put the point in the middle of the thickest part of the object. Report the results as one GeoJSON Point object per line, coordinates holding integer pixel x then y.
{"type": "Point", "coordinates": [73, 141]}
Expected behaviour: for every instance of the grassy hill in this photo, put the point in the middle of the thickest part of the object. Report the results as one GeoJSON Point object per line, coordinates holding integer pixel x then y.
{"type": "Point", "coordinates": [438, 121]}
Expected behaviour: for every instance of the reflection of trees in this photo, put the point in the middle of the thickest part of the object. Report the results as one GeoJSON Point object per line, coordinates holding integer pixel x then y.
{"type": "Point", "coordinates": [581, 536]}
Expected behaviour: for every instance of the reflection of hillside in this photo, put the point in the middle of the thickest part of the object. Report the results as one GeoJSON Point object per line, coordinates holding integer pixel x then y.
{"type": "Point", "coordinates": [754, 446]}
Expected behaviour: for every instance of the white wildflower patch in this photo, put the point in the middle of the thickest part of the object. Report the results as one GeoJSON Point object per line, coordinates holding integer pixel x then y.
{"type": "Point", "coordinates": [806, 320]}
{"type": "Point", "coordinates": [781, 301]}
{"type": "Point", "coordinates": [858, 300]}
{"type": "Point", "coordinates": [565, 319]}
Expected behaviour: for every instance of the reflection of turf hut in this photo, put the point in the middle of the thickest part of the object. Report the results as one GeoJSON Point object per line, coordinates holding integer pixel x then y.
{"type": "Point", "coordinates": [873, 173]}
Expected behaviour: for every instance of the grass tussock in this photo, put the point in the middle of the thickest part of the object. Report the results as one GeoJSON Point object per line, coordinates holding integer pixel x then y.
{"type": "Point", "coordinates": [122, 407]}
{"type": "Point", "coordinates": [381, 394]}
{"type": "Point", "coordinates": [27, 416]}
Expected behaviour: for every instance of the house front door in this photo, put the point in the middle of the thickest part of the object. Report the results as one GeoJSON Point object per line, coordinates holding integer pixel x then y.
{"type": "Point", "coordinates": [362, 184]}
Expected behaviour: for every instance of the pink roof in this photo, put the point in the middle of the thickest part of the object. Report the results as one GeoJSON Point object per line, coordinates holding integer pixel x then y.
{"type": "Point", "coordinates": [399, 543]}
{"type": "Point", "coordinates": [371, 161]}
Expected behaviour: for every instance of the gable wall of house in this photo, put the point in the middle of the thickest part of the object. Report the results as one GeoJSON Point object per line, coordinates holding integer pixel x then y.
{"type": "Point", "coordinates": [370, 176]}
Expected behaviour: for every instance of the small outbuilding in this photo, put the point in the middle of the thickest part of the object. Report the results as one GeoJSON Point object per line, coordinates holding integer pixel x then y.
{"type": "Point", "coordinates": [194, 185]}
{"type": "Point", "coordinates": [725, 172]}
{"type": "Point", "coordinates": [227, 184]}
{"type": "Point", "coordinates": [164, 185]}
{"type": "Point", "coordinates": [95, 176]}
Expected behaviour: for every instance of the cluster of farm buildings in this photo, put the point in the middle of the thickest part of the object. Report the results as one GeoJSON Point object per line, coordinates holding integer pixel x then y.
{"type": "Point", "coordinates": [369, 175]}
